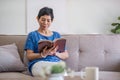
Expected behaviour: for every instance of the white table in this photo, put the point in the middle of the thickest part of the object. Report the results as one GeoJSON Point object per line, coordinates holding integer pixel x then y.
{"type": "Point", "coordinates": [103, 75]}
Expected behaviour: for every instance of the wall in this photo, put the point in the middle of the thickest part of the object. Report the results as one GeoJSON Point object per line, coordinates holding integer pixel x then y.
{"type": "Point", "coordinates": [92, 16]}
{"type": "Point", "coordinates": [59, 8]}
{"type": "Point", "coordinates": [12, 17]}
{"type": "Point", "coordinates": [71, 16]}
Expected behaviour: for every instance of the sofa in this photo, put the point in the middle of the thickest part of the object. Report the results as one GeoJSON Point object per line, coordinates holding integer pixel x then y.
{"type": "Point", "coordinates": [98, 50]}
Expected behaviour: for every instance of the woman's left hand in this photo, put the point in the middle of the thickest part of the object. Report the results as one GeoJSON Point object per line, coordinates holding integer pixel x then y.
{"type": "Point", "coordinates": [53, 50]}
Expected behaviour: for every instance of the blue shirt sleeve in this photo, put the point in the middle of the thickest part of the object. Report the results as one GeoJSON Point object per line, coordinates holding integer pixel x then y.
{"type": "Point", "coordinates": [29, 42]}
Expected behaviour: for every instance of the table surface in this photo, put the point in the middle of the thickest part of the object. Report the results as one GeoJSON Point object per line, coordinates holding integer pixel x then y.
{"type": "Point", "coordinates": [102, 76]}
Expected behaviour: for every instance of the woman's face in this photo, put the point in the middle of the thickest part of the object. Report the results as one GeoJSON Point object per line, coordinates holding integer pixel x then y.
{"type": "Point", "coordinates": [45, 21]}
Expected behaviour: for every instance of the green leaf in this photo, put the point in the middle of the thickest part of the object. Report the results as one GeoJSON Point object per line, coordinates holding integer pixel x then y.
{"type": "Point", "coordinates": [113, 30]}
{"type": "Point", "coordinates": [57, 69]}
{"type": "Point", "coordinates": [119, 18]}
{"type": "Point", "coordinates": [114, 24]}
{"type": "Point", "coordinates": [118, 31]}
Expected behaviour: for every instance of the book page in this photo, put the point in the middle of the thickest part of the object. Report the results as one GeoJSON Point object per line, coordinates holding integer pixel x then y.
{"type": "Point", "coordinates": [43, 44]}
{"type": "Point", "coordinates": [61, 42]}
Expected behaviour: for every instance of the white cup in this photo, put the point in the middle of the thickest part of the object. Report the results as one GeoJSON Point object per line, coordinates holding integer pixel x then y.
{"type": "Point", "coordinates": [90, 73]}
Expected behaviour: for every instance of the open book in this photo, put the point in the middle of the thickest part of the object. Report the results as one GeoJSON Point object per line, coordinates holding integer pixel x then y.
{"type": "Point", "coordinates": [60, 42]}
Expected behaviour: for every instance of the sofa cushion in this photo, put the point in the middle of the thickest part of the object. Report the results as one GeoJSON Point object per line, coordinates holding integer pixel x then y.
{"type": "Point", "coordinates": [10, 59]}
{"type": "Point", "coordinates": [73, 49]}
{"type": "Point", "coordinates": [15, 76]}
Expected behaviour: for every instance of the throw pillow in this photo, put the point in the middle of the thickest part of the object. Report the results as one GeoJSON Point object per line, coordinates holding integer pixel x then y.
{"type": "Point", "coordinates": [10, 59]}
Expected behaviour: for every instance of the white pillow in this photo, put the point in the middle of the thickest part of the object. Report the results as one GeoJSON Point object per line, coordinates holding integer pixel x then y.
{"type": "Point", "coordinates": [10, 59]}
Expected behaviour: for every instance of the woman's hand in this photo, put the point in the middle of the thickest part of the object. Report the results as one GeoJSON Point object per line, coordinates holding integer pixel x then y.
{"type": "Point", "coordinates": [53, 50]}
{"type": "Point", "coordinates": [50, 51]}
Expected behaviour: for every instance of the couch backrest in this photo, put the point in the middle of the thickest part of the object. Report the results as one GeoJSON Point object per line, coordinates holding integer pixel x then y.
{"type": "Point", "coordinates": [98, 50]}
{"type": "Point", "coordinates": [18, 39]}
{"type": "Point", "coordinates": [84, 50]}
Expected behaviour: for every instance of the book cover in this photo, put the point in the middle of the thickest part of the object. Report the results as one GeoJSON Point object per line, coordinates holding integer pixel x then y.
{"type": "Point", "coordinates": [60, 42]}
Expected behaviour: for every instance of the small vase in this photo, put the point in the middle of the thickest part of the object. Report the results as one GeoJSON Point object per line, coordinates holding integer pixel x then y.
{"type": "Point", "coordinates": [56, 77]}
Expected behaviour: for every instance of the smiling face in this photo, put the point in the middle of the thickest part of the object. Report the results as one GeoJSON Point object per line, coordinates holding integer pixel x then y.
{"type": "Point", "coordinates": [45, 22]}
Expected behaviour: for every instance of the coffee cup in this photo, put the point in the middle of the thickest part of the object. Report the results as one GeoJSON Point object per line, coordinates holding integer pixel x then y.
{"type": "Point", "coordinates": [90, 73]}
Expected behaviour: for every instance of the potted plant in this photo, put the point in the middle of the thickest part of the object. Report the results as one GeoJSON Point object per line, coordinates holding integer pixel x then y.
{"type": "Point", "coordinates": [116, 30]}
{"type": "Point", "coordinates": [54, 72]}
{"type": "Point", "coordinates": [57, 72]}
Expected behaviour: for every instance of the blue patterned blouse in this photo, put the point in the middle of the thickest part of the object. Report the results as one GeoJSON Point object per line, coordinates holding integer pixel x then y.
{"type": "Point", "coordinates": [32, 44]}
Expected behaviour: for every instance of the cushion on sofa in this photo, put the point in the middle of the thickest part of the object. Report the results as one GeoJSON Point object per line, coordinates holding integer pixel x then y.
{"type": "Point", "coordinates": [10, 59]}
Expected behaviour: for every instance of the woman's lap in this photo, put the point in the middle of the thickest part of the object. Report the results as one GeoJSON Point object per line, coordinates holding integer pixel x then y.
{"type": "Point", "coordinates": [39, 68]}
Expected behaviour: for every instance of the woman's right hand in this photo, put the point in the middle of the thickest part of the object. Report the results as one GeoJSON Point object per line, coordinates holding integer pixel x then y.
{"type": "Point", "coordinates": [50, 51]}
{"type": "Point", "coordinates": [44, 52]}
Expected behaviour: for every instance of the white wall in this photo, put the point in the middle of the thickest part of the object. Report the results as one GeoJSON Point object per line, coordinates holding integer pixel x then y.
{"type": "Point", "coordinates": [71, 16]}
{"type": "Point", "coordinates": [12, 17]}
{"type": "Point", "coordinates": [92, 16]}
{"type": "Point", "coordinates": [59, 8]}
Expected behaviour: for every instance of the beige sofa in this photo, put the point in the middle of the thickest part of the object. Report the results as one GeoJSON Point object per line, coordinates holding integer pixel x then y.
{"type": "Point", "coordinates": [84, 50]}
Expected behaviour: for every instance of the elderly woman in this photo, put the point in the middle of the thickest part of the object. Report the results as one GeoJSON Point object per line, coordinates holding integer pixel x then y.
{"type": "Point", "coordinates": [37, 61]}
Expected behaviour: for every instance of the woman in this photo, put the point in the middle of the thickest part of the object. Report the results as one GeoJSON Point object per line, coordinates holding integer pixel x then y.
{"type": "Point", "coordinates": [48, 56]}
